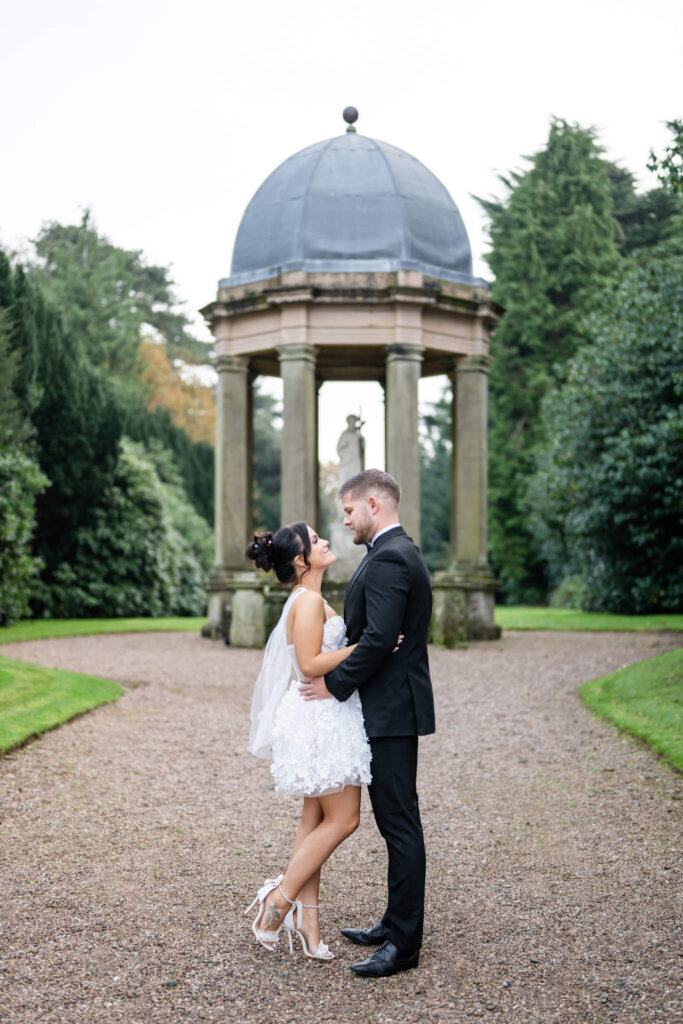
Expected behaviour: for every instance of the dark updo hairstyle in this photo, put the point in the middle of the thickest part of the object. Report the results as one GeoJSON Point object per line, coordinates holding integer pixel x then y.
{"type": "Point", "coordinates": [277, 551]}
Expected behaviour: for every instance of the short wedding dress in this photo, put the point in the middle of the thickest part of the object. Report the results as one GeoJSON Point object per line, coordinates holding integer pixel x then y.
{"type": "Point", "coordinates": [318, 746]}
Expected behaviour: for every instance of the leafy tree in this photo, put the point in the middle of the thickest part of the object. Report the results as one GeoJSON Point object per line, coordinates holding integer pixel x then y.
{"type": "Point", "coordinates": [20, 482]}
{"type": "Point", "coordinates": [607, 497]}
{"type": "Point", "coordinates": [669, 168]}
{"type": "Point", "coordinates": [194, 459]}
{"type": "Point", "coordinates": [644, 218]}
{"type": "Point", "coordinates": [15, 427]}
{"type": "Point", "coordinates": [144, 551]}
{"type": "Point", "coordinates": [18, 304]}
{"type": "Point", "coordinates": [192, 405]}
{"type": "Point", "coordinates": [76, 428]}
{"type": "Point", "coordinates": [553, 248]}
{"type": "Point", "coordinates": [267, 445]}
{"type": "Point", "coordinates": [77, 412]}
{"type": "Point", "coordinates": [109, 297]}
{"type": "Point", "coordinates": [106, 294]}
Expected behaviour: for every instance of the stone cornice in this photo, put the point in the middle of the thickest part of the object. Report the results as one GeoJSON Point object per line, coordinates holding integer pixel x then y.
{"type": "Point", "coordinates": [297, 350]}
{"type": "Point", "coordinates": [225, 363]}
{"type": "Point", "coordinates": [476, 363]}
{"type": "Point", "coordinates": [320, 288]}
{"type": "Point", "coordinates": [405, 353]}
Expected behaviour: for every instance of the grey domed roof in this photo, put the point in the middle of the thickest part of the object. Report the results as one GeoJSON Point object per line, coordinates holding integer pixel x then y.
{"type": "Point", "coordinates": [351, 203]}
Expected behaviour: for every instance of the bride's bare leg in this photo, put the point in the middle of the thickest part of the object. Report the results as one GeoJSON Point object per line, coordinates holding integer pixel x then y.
{"type": "Point", "coordinates": [340, 817]}
{"type": "Point", "coordinates": [309, 894]}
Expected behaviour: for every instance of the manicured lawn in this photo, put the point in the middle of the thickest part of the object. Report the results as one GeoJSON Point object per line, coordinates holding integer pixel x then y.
{"type": "Point", "coordinates": [568, 620]}
{"type": "Point", "coordinates": [44, 629]}
{"type": "Point", "coordinates": [34, 699]}
{"type": "Point", "coordinates": [646, 700]}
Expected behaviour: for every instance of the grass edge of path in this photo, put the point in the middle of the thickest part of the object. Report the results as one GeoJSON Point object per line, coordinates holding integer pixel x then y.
{"type": "Point", "coordinates": [49, 629]}
{"type": "Point", "coordinates": [645, 700]}
{"type": "Point", "coordinates": [517, 617]}
{"type": "Point", "coordinates": [47, 698]}
{"type": "Point", "coordinates": [568, 620]}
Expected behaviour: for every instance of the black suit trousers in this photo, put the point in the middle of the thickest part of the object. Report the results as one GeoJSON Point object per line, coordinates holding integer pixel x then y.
{"type": "Point", "coordinates": [393, 794]}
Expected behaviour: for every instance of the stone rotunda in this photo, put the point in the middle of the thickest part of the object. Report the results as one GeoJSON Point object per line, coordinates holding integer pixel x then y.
{"type": "Point", "coordinates": [351, 262]}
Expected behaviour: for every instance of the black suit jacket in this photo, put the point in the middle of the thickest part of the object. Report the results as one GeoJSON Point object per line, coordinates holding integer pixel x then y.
{"type": "Point", "coordinates": [390, 593]}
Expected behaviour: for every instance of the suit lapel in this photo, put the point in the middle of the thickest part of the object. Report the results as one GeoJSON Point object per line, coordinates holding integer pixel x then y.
{"type": "Point", "coordinates": [354, 579]}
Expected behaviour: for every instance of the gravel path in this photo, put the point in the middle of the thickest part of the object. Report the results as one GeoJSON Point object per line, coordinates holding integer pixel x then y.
{"type": "Point", "coordinates": [132, 838]}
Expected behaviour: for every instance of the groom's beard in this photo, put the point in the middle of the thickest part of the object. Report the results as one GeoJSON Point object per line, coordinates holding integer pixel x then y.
{"type": "Point", "coordinates": [364, 532]}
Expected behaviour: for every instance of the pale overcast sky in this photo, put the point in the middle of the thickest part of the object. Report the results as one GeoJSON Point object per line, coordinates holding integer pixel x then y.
{"type": "Point", "coordinates": [166, 117]}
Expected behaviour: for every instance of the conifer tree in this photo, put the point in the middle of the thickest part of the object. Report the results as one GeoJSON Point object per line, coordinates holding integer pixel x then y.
{"type": "Point", "coordinates": [106, 294]}
{"type": "Point", "coordinates": [267, 445]}
{"type": "Point", "coordinates": [20, 477]}
{"type": "Point", "coordinates": [644, 219]}
{"type": "Point", "coordinates": [607, 496]}
{"type": "Point", "coordinates": [76, 427]}
{"type": "Point", "coordinates": [553, 249]}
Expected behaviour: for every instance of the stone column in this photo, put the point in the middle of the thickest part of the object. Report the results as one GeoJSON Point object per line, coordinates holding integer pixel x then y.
{"type": "Point", "coordinates": [463, 596]}
{"type": "Point", "coordinates": [233, 467]}
{"type": "Point", "coordinates": [299, 462]}
{"type": "Point", "coordinates": [403, 368]}
{"type": "Point", "coordinates": [470, 393]}
{"type": "Point", "coordinates": [232, 588]}
{"type": "Point", "coordinates": [453, 518]}
{"type": "Point", "coordinates": [469, 510]}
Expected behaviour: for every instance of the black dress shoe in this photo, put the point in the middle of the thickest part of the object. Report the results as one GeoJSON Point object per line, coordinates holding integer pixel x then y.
{"type": "Point", "coordinates": [367, 936]}
{"type": "Point", "coordinates": [386, 960]}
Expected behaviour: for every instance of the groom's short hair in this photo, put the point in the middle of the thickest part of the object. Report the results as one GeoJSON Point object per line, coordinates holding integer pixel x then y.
{"type": "Point", "coordinates": [371, 480]}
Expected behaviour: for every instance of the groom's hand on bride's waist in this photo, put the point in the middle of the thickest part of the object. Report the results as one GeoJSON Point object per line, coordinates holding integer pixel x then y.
{"type": "Point", "coordinates": [314, 689]}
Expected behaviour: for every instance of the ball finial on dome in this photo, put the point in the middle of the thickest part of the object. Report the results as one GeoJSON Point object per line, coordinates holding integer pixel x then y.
{"type": "Point", "coordinates": [350, 115]}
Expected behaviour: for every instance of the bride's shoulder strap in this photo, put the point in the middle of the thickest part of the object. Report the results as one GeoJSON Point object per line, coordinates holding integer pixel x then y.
{"type": "Point", "coordinates": [296, 592]}
{"type": "Point", "coordinates": [302, 590]}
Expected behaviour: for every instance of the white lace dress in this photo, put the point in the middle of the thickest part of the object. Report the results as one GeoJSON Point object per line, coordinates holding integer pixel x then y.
{"type": "Point", "coordinates": [319, 746]}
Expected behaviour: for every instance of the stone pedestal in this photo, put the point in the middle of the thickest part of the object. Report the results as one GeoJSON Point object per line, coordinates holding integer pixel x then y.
{"type": "Point", "coordinates": [217, 625]}
{"type": "Point", "coordinates": [463, 607]}
{"type": "Point", "coordinates": [243, 607]}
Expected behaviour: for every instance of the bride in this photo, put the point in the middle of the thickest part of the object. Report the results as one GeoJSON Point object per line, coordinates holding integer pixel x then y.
{"type": "Point", "coordinates": [319, 748]}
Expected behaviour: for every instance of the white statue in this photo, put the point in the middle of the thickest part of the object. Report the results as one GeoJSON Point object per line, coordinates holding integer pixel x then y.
{"type": "Point", "coordinates": [351, 450]}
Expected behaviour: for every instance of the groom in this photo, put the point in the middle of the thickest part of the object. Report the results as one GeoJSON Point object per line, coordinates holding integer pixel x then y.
{"type": "Point", "coordinates": [389, 593]}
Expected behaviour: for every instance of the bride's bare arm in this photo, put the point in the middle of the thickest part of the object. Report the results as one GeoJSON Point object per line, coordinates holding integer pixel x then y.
{"type": "Point", "coordinates": [307, 635]}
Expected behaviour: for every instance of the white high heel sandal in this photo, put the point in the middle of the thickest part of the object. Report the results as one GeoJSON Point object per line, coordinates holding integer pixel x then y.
{"type": "Point", "coordinates": [322, 952]}
{"type": "Point", "coordinates": [267, 936]}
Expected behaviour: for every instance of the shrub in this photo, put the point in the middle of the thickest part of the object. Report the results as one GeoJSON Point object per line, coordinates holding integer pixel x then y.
{"type": "Point", "coordinates": [145, 551]}
{"type": "Point", "coordinates": [607, 497]}
{"type": "Point", "coordinates": [20, 482]}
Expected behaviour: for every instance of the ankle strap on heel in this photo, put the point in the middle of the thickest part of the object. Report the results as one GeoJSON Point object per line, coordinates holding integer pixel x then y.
{"type": "Point", "coordinates": [309, 906]}
{"type": "Point", "coordinates": [285, 897]}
